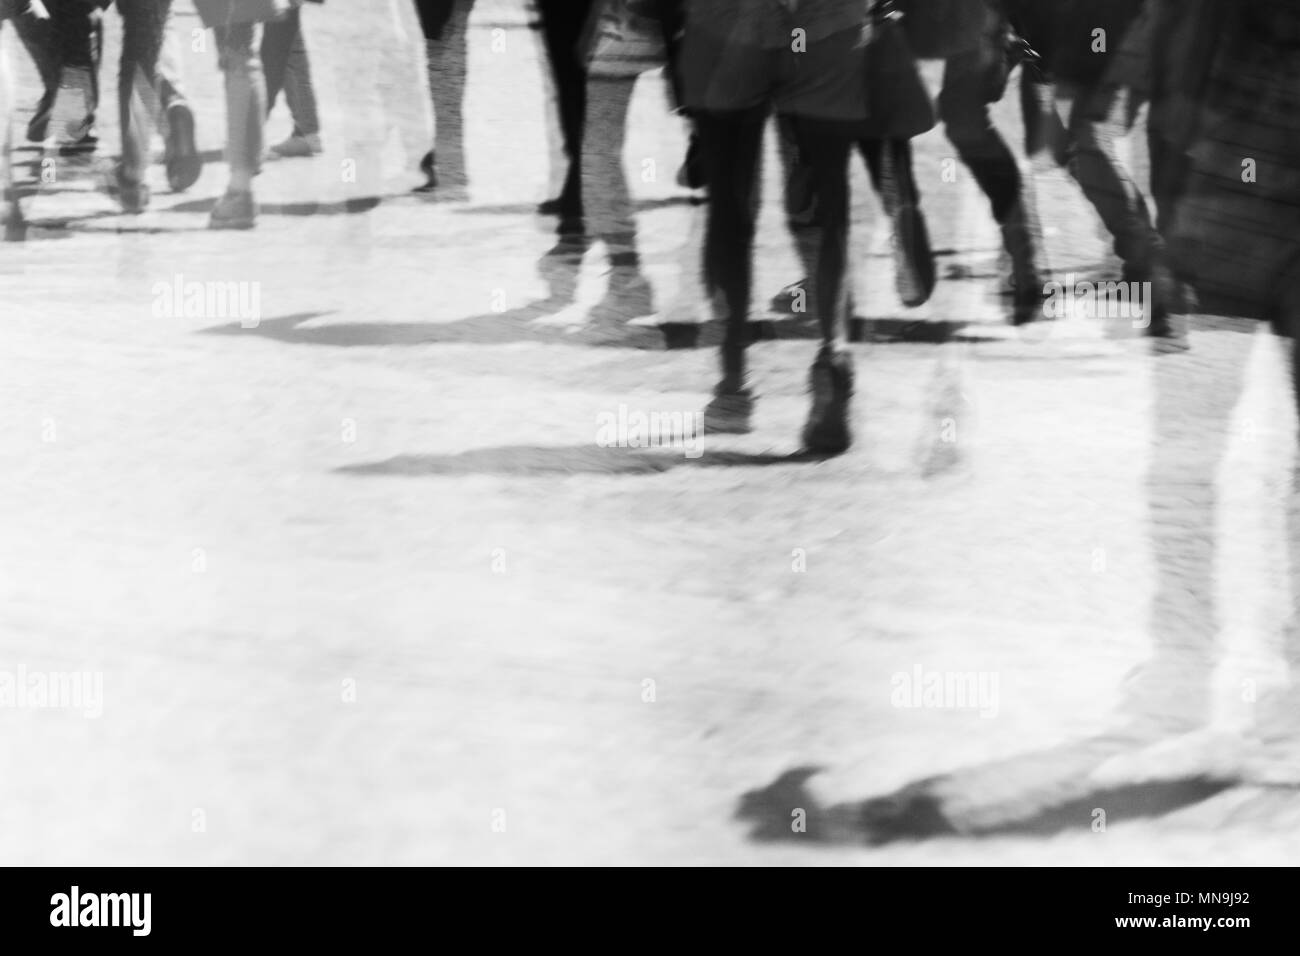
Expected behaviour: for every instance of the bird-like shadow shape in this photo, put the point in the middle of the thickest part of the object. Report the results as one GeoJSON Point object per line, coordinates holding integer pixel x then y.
{"type": "Point", "coordinates": [920, 811]}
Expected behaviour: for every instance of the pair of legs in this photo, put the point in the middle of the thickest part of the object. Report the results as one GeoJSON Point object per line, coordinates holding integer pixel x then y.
{"type": "Point", "coordinates": [71, 40]}
{"type": "Point", "coordinates": [148, 89]}
{"type": "Point", "coordinates": [610, 216]}
{"type": "Point", "coordinates": [445, 25]}
{"type": "Point", "coordinates": [287, 68]}
{"type": "Point", "coordinates": [731, 144]}
{"type": "Point", "coordinates": [964, 108]}
{"type": "Point", "coordinates": [889, 164]}
{"type": "Point", "coordinates": [732, 84]}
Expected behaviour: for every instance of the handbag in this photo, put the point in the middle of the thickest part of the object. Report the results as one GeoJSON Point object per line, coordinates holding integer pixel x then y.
{"type": "Point", "coordinates": [621, 42]}
{"type": "Point", "coordinates": [898, 104]}
{"type": "Point", "coordinates": [224, 13]}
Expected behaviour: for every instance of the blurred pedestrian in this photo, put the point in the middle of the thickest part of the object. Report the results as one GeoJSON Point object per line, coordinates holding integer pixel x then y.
{"type": "Point", "coordinates": [234, 23]}
{"type": "Point", "coordinates": [562, 24]}
{"type": "Point", "coordinates": [149, 93]}
{"type": "Point", "coordinates": [445, 26]}
{"type": "Point", "coordinates": [806, 60]}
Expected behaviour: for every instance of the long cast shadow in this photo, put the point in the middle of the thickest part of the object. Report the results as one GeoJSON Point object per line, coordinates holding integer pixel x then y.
{"type": "Point", "coordinates": [538, 460]}
{"type": "Point", "coordinates": [917, 812]}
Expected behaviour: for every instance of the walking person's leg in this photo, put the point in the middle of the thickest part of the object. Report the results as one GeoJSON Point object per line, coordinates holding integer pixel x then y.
{"type": "Point", "coordinates": [79, 25]}
{"type": "Point", "coordinates": [275, 49]}
{"type": "Point", "coordinates": [139, 94]}
{"type": "Point", "coordinates": [825, 147]}
{"type": "Point", "coordinates": [445, 24]}
{"type": "Point", "coordinates": [38, 37]}
{"type": "Point", "coordinates": [287, 67]}
{"type": "Point", "coordinates": [730, 146]}
{"type": "Point", "coordinates": [245, 116]}
{"type": "Point", "coordinates": [889, 163]}
{"type": "Point", "coordinates": [181, 154]}
{"type": "Point", "coordinates": [970, 129]}
{"type": "Point", "coordinates": [610, 216]}
{"type": "Point", "coordinates": [562, 24]}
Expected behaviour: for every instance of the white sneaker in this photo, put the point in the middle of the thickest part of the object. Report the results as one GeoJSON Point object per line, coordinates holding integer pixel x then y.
{"type": "Point", "coordinates": [298, 146]}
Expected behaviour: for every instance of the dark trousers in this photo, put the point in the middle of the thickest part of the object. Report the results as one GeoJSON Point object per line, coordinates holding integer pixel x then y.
{"type": "Point", "coordinates": [731, 144]}
{"type": "Point", "coordinates": [71, 37]}
{"type": "Point", "coordinates": [965, 113]}
{"type": "Point", "coordinates": [434, 15]}
{"type": "Point", "coordinates": [562, 28]}
{"type": "Point", "coordinates": [286, 67]}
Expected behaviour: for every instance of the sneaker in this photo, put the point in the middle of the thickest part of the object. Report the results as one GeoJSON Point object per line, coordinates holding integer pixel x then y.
{"type": "Point", "coordinates": [729, 412]}
{"type": "Point", "coordinates": [298, 147]}
{"type": "Point", "coordinates": [180, 152]}
{"type": "Point", "coordinates": [831, 381]}
{"type": "Point", "coordinates": [234, 210]}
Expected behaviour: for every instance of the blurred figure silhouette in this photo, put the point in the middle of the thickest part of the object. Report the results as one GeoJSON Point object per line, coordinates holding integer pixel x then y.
{"type": "Point", "coordinates": [445, 26]}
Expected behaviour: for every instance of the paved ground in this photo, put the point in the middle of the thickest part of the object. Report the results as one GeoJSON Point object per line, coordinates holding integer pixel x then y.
{"type": "Point", "coordinates": [363, 587]}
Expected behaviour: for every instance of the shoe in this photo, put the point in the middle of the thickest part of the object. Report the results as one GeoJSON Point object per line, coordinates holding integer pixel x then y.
{"type": "Point", "coordinates": [180, 152]}
{"type": "Point", "coordinates": [729, 412]}
{"type": "Point", "coordinates": [234, 210]}
{"type": "Point", "coordinates": [914, 275]}
{"type": "Point", "coordinates": [132, 196]}
{"type": "Point", "coordinates": [298, 146]}
{"type": "Point", "coordinates": [831, 382]}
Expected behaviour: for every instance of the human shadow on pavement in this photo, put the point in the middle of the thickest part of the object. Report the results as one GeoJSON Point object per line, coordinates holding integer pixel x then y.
{"type": "Point", "coordinates": [537, 460]}
{"type": "Point", "coordinates": [558, 268]}
{"type": "Point", "coordinates": [346, 207]}
{"type": "Point", "coordinates": [524, 209]}
{"type": "Point", "coordinates": [1162, 749]}
{"type": "Point", "coordinates": [918, 812]}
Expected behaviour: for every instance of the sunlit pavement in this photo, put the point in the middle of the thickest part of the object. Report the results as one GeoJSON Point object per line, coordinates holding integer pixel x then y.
{"type": "Point", "coordinates": [364, 584]}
